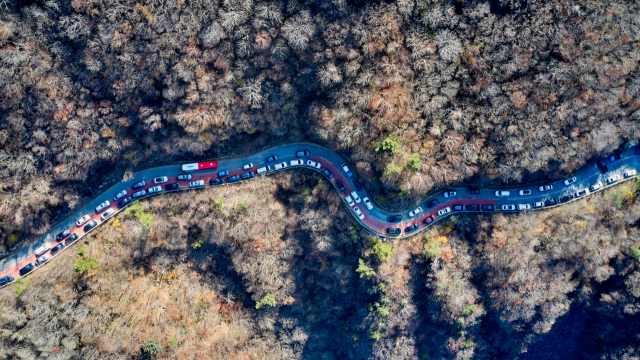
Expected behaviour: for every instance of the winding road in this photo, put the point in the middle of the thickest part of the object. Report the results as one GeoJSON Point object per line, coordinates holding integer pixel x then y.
{"type": "Point", "coordinates": [375, 219]}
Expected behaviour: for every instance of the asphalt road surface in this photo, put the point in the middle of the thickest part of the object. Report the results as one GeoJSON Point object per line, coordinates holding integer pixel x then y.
{"type": "Point", "coordinates": [374, 219]}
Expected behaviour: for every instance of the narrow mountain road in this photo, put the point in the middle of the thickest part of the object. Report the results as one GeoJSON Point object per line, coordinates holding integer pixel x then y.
{"type": "Point", "coordinates": [373, 217]}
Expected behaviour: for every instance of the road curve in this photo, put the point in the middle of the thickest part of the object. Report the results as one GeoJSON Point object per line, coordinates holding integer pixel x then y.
{"type": "Point", "coordinates": [375, 219]}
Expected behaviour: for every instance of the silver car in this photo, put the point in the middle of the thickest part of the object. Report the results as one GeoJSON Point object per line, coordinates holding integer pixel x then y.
{"type": "Point", "coordinates": [120, 195]}
{"type": "Point", "coordinates": [106, 214]}
{"type": "Point", "coordinates": [139, 193]}
{"type": "Point", "coordinates": [83, 220]}
{"type": "Point", "coordinates": [103, 206]}
{"type": "Point", "coordinates": [196, 183]}
{"type": "Point", "coordinates": [151, 190]}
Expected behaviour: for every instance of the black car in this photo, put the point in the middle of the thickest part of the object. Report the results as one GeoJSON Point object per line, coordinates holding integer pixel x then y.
{"type": "Point", "coordinates": [473, 191]}
{"type": "Point", "coordinates": [431, 204]}
{"type": "Point", "coordinates": [26, 269]}
{"type": "Point", "coordinates": [248, 175]}
{"type": "Point", "coordinates": [428, 220]}
{"type": "Point", "coordinates": [62, 235]}
{"type": "Point", "coordinates": [341, 187]}
{"type": "Point", "coordinates": [393, 231]}
{"type": "Point", "coordinates": [472, 207]}
{"type": "Point", "coordinates": [270, 159]}
{"type": "Point", "coordinates": [411, 228]}
{"type": "Point", "coordinates": [327, 173]}
{"type": "Point", "coordinates": [71, 239]}
{"type": "Point", "coordinates": [138, 185]}
{"type": "Point", "coordinates": [57, 248]}
{"type": "Point", "coordinates": [394, 218]}
{"type": "Point", "coordinates": [488, 207]}
{"type": "Point", "coordinates": [216, 181]}
{"type": "Point", "coordinates": [6, 279]}
{"type": "Point", "coordinates": [223, 173]}
{"type": "Point", "coordinates": [566, 198]}
{"type": "Point", "coordinates": [602, 166]}
{"type": "Point", "coordinates": [357, 184]}
{"type": "Point", "coordinates": [172, 186]}
{"type": "Point", "coordinates": [551, 202]}
{"type": "Point", "coordinates": [124, 202]}
{"type": "Point", "coordinates": [90, 225]}
{"type": "Point", "coordinates": [637, 151]}
{"type": "Point", "coordinates": [232, 179]}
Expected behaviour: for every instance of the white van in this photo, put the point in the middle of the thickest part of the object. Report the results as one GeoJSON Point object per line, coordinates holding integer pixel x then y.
{"type": "Point", "coordinates": [630, 173]}
{"type": "Point", "coordinates": [264, 169]}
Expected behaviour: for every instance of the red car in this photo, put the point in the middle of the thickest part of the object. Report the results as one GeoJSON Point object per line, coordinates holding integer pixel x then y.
{"type": "Point", "coordinates": [428, 220]}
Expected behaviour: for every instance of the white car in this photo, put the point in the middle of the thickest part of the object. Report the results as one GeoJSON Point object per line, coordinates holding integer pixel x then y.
{"type": "Point", "coordinates": [43, 249]}
{"type": "Point", "coordinates": [184, 177]}
{"type": "Point", "coordinates": [120, 195]}
{"type": "Point", "coordinates": [197, 183]}
{"type": "Point", "coordinates": [314, 164]}
{"type": "Point", "coordinates": [296, 162]}
{"type": "Point", "coordinates": [613, 179]}
{"type": "Point", "coordinates": [415, 211]}
{"type": "Point", "coordinates": [139, 193]}
{"type": "Point", "coordinates": [102, 206]}
{"type": "Point", "coordinates": [248, 166]}
{"type": "Point", "coordinates": [524, 192]}
{"type": "Point", "coordinates": [358, 212]}
{"type": "Point", "coordinates": [450, 193]}
{"type": "Point", "coordinates": [349, 200]}
{"type": "Point", "coordinates": [42, 259]}
{"type": "Point", "coordinates": [355, 196]}
{"type": "Point", "coordinates": [595, 187]}
{"type": "Point", "coordinates": [582, 193]}
{"type": "Point", "coordinates": [508, 207]}
{"type": "Point", "coordinates": [545, 188]}
{"type": "Point", "coordinates": [347, 171]}
{"type": "Point", "coordinates": [524, 206]}
{"type": "Point", "coordinates": [538, 204]}
{"type": "Point", "coordinates": [83, 220]}
{"type": "Point", "coordinates": [160, 180]}
{"type": "Point", "coordinates": [106, 214]}
{"type": "Point", "coordinates": [367, 202]}
{"type": "Point", "coordinates": [282, 165]}
{"type": "Point", "coordinates": [151, 190]}
{"type": "Point", "coordinates": [444, 211]}
{"type": "Point", "coordinates": [502, 193]}
{"type": "Point", "coordinates": [570, 181]}
{"type": "Point", "coordinates": [630, 173]}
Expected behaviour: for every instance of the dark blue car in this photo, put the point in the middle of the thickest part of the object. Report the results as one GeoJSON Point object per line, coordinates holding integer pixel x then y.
{"type": "Point", "coordinates": [124, 202]}
{"type": "Point", "coordinates": [62, 235]}
{"type": "Point", "coordinates": [341, 187]}
{"type": "Point", "coordinates": [7, 279]}
{"type": "Point", "coordinates": [327, 173]}
{"type": "Point", "coordinates": [232, 179]}
{"type": "Point", "coordinates": [393, 231]}
{"type": "Point", "coordinates": [394, 218]}
{"type": "Point", "coordinates": [71, 239]}
{"type": "Point", "coordinates": [57, 248]}
{"type": "Point", "coordinates": [27, 269]}
{"type": "Point", "coordinates": [248, 175]}
{"type": "Point", "coordinates": [411, 228]}
{"type": "Point", "coordinates": [172, 186]}
{"type": "Point", "coordinates": [216, 181]}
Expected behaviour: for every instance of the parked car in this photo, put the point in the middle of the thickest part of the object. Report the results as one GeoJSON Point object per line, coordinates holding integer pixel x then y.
{"type": "Point", "coordinates": [103, 206]}
{"type": "Point", "coordinates": [346, 170]}
{"type": "Point", "coordinates": [357, 184]}
{"type": "Point", "coordinates": [57, 248]}
{"type": "Point", "coordinates": [263, 169]}
{"type": "Point", "coordinates": [431, 204]}
{"type": "Point", "coordinates": [139, 193]}
{"type": "Point", "coordinates": [223, 173]}
{"type": "Point", "coordinates": [367, 203]}
{"type": "Point", "coordinates": [473, 207]}
{"type": "Point", "coordinates": [247, 166]}
{"type": "Point", "coordinates": [106, 214]}
{"type": "Point", "coordinates": [349, 200]}
{"type": "Point", "coordinates": [124, 202]}
{"type": "Point", "coordinates": [358, 212]}
{"type": "Point", "coordinates": [473, 191]}
{"type": "Point", "coordinates": [138, 184]}
{"type": "Point", "coordinates": [551, 202]}
{"type": "Point", "coordinates": [296, 162]}
{"type": "Point", "coordinates": [42, 259]}
{"type": "Point", "coordinates": [615, 157]}
{"type": "Point", "coordinates": [90, 226]}
{"type": "Point", "coordinates": [566, 198]}
{"type": "Point", "coordinates": [26, 269]}
{"type": "Point", "coordinates": [428, 220]}
{"type": "Point", "coordinates": [271, 158]}
{"type": "Point", "coordinates": [355, 197]}
{"type": "Point", "coordinates": [538, 204]}
{"type": "Point", "coordinates": [7, 279]}
{"type": "Point", "coordinates": [602, 166]}
{"type": "Point", "coordinates": [160, 180]}
{"type": "Point", "coordinates": [314, 164]}
{"type": "Point", "coordinates": [71, 239]}
{"type": "Point", "coordinates": [458, 208]}
{"type": "Point", "coordinates": [231, 179]}
{"type": "Point", "coordinates": [248, 175]}
{"type": "Point", "coordinates": [411, 228]}
{"type": "Point", "coordinates": [582, 193]}
{"type": "Point", "coordinates": [545, 188]}
{"type": "Point", "coordinates": [637, 151]}
{"type": "Point", "coordinates": [173, 186]}
{"type": "Point", "coordinates": [508, 207]}
{"type": "Point", "coordinates": [184, 177]}
{"type": "Point", "coordinates": [302, 153]}
{"type": "Point", "coordinates": [216, 181]}
{"type": "Point", "coordinates": [524, 206]}
{"type": "Point", "coordinates": [327, 173]}
{"type": "Point", "coordinates": [62, 235]}
{"type": "Point", "coordinates": [449, 194]}
{"type": "Point", "coordinates": [570, 181]}
{"type": "Point", "coordinates": [415, 211]}
{"type": "Point", "coordinates": [341, 187]}
{"type": "Point", "coordinates": [595, 187]}
{"type": "Point", "coordinates": [524, 192]}
{"type": "Point", "coordinates": [488, 207]}
{"type": "Point", "coordinates": [83, 220]}
{"type": "Point", "coordinates": [43, 249]}
{"type": "Point", "coordinates": [629, 173]}
{"type": "Point", "coordinates": [282, 165]}
{"type": "Point", "coordinates": [502, 193]}
{"type": "Point", "coordinates": [613, 179]}
{"type": "Point", "coordinates": [394, 218]}
{"type": "Point", "coordinates": [393, 231]}
{"type": "Point", "coordinates": [444, 211]}
{"type": "Point", "coordinates": [196, 183]}
{"type": "Point", "coordinates": [154, 189]}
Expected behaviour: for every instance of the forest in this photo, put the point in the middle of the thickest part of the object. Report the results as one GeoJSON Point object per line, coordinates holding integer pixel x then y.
{"type": "Point", "coordinates": [418, 94]}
